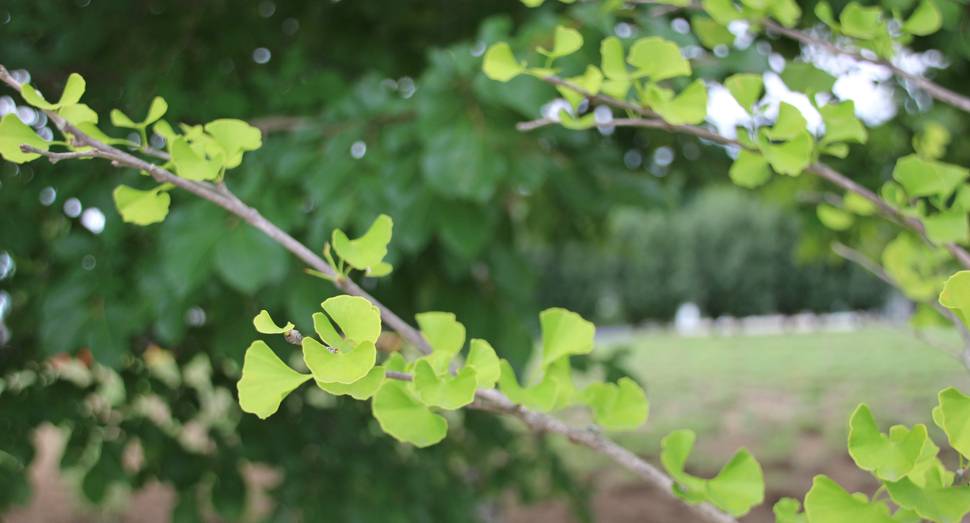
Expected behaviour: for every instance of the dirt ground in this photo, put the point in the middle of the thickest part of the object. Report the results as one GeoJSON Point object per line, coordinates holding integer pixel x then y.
{"type": "Point", "coordinates": [618, 499]}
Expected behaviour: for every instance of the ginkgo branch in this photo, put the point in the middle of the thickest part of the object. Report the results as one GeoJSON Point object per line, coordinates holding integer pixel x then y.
{"type": "Point", "coordinates": [821, 170]}
{"type": "Point", "coordinates": [56, 157]}
{"type": "Point", "coordinates": [491, 400]}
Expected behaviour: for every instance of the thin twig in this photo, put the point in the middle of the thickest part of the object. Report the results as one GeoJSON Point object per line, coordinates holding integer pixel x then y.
{"type": "Point", "coordinates": [56, 157]}
{"type": "Point", "coordinates": [494, 400]}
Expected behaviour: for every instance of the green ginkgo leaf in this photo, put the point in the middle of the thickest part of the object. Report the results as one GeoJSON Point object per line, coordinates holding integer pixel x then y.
{"type": "Point", "coordinates": [657, 58]}
{"type": "Point", "coordinates": [806, 78]}
{"type": "Point", "coordinates": [746, 88]}
{"type": "Point", "coordinates": [928, 178]}
{"type": "Point", "coordinates": [396, 362]}
{"type": "Point", "coordinates": [142, 207]}
{"type": "Point", "coordinates": [789, 125]}
{"type": "Point", "coordinates": [620, 406]}
{"type": "Point", "coordinates": [861, 22]}
{"type": "Point", "coordinates": [266, 380]}
{"type": "Point", "coordinates": [482, 358]}
{"type": "Point", "coordinates": [947, 226]}
{"type": "Point", "coordinates": [565, 42]}
{"type": "Point", "coordinates": [155, 111]}
{"type": "Point", "coordinates": [737, 487]}
{"type": "Point", "coordinates": [358, 319]}
{"type": "Point", "coordinates": [361, 389]}
{"type": "Point", "coordinates": [72, 94]}
{"type": "Point", "coordinates": [564, 333]}
{"type": "Point", "coordinates": [889, 458]}
{"type": "Point", "coordinates": [749, 170]}
{"type": "Point", "coordinates": [342, 367]}
{"type": "Point", "coordinates": [613, 66]}
{"type": "Point", "coordinates": [829, 503]}
{"type": "Point", "coordinates": [787, 511]}
{"type": "Point", "coordinates": [688, 107]}
{"type": "Point", "coordinates": [193, 165]}
{"type": "Point", "coordinates": [235, 137]}
{"type": "Point", "coordinates": [925, 20]}
{"type": "Point", "coordinates": [369, 249]}
{"type": "Point", "coordinates": [381, 269]}
{"type": "Point", "coordinates": [589, 82]}
{"type": "Point", "coordinates": [542, 397]}
{"type": "Point", "coordinates": [405, 418]}
{"type": "Point", "coordinates": [833, 217]}
{"type": "Point", "coordinates": [443, 332]}
{"type": "Point", "coordinates": [265, 324]}
{"type": "Point", "coordinates": [500, 64]}
{"type": "Point", "coordinates": [841, 124]}
{"type": "Point", "coordinates": [78, 114]}
{"type": "Point", "coordinates": [956, 297]}
{"type": "Point", "coordinates": [955, 411]}
{"type": "Point", "coordinates": [935, 501]}
{"type": "Point", "coordinates": [13, 133]}
{"type": "Point", "coordinates": [791, 157]}
{"type": "Point", "coordinates": [445, 391]}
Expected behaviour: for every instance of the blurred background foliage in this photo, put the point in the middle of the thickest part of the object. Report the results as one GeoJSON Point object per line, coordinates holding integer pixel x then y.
{"type": "Point", "coordinates": [490, 223]}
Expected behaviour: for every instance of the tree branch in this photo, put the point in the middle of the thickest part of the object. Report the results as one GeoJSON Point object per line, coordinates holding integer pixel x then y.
{"type": "Point", "coordinates": [56, 157]}
{"type": "Point", "coordinates": [821, 170]}
{"type": "Point", "coordinates": [492, 400]}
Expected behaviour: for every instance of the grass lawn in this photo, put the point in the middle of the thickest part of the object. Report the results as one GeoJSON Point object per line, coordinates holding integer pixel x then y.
{"type": "Point", "coordinates": [785, 397]}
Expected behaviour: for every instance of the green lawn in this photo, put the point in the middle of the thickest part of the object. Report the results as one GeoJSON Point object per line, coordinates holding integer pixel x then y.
{"type": "Point", "coordinates": [777, 393]}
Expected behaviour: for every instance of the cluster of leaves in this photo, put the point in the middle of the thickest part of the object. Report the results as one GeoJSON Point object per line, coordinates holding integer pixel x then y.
{"type": "Point", "coordinates": [344, 364]}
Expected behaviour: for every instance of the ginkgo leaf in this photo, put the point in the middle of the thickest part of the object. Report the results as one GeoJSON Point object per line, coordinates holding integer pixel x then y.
{"type": "Point", "coordinates": [830, 503]}
{"type": "Point", "coordinates": [613, 66]}
{"type": "Point", "coordinates": [369, 249]}
{"type": "Point", "coordinates": [737, 487]}
{"type": "Point", "coordinates": [155, 111]}
{"type": "Point", "coordinates": [482, 358]}
{"type": "Point", "coordinates": [405, 418]}
{"type": "Point", "coordinates": [841, 124]}
{"type": "Point", "coordinates": [789, 158]}
{"type": "Point", "coordinates": [620, 406]}
{"type": "Point", "coordinates": [786, 510]}
{"type": "Point", "coordinates": [833, 217]}
{"type": "Point", "coordinates": [589, 82]}
{"type": "Point", "coordinates": [266, 380]}
{"type": "Point", "coordinates": [955, 411]}
{"type": "Point", "coordinates": [445, 391]}
{"type": "Point", "coordinates": [688, 107]}
{"type": "Point", "coordinates": [265, 324]}
{"type": "Point", "coordinates": [361, 389]}
{"type": "Point", "coordinates": [191, 165]}
{"type": "Point", "coordinates": [342, 367]}
{"type": "Point", "coordinates": [443, 332]}
{"type": "Point", "coordinates": [928, 178]}
{"type": "Point", "coordinates": [789, 125]}
{"type": "Point", "coordinates": [657, 58]}
{"type": "Point", "coordinates": [142, 207]}
{"type": "Point", "coordinates": [889, 457]}
{"type": "Point", "coordinates": [565, 42]}
{"type": "Point", "coordinates": [72, 94]}
{"type": "Point", "coordinates": [746, 88]}
{"type": "Point", "coordinates": [78, 114]}
{"type": "Point", "coordinates": [235, 137]}
{"type": "Point", "coordinates": [749, 170]}
{"type": "Point", "coordinates": [13, 133]}
{"type": "Point", "coordinates": [500, 64]}
{"type": "Point", "coordinates": [542, 397]}
{"type": "Point", "coordinates": [925, 20]}
{"type": "Point", "coordinates": [956, 297]}
{"type": "Point", "coordinates": [564, 333]}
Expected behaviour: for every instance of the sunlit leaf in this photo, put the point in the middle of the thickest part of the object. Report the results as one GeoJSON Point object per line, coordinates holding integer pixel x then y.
{"type": "Point", "coordinates": [235, 137]}
{"type": "Point", "coordinates": [368, 250]}
{"type": "Point", "coordinates": [622, 406]}
{"type": "Point", "coordinates": [405, 418]}
{"type": "Point", "coordinates": [541, 397]}
{"type": "Point", "coordinates": [443, 332]}
{"type": "Point", "coordinates": [445, 391]}
{"type": "Point", "coordinates": [13, 133]}
{"type": "Point", "coordinates": [500, 63]}
{"type": "Point", "coordinates": [78, 114]}
{"type": "Point", "coordinates": [791, 157]}
{"type": "Point", "coordinates": [828, 502]}
{"type": "Point", "coordinates": [482, 358]}
{"type": "Point", "coordinates": [745, 88]}
{"type": "Point", "coordinates": [565, 42]}
{"type": "Point", "coordinates": [265, 324]}
{"type": "Point", "coordinates": [72, 94]}
{"type": "Point", "coordinates": [193, 166]}
{"type": "Point", "coordinates": [613, 66]}
{"type": "Point", "coordinates": [142, 207]}
{"type": "Point", "coordinates": [749, 170]}
{"type": "Point", "coordinates": [266, 380]}
{"type": "Point", "coordinates": [342, 367]}
{"type": "Point", "coordinates": [564, 333]}
{"type": "Point", "coordinates": [359, 390]}
{"type": "Point", "coordinates": [657, 58]}
{"type": "Point", "coordinates": [889, 457]}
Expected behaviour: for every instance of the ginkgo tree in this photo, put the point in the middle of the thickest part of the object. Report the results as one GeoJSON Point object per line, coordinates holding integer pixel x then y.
{"type": "Point", "coordinates": [652, 82]}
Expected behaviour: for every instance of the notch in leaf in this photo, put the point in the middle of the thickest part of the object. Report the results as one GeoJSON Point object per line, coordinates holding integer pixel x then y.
{"type": "Point", "coordinates": [405, 418]}
{"type": "Point", "coordinates": [72, 94]}
{"type": "Point", "coordinates": [445, 391]}
{"type": "Point", "coordinates": [265, 324]}
{"type": "Point", "coordinates": [13, 133]}
{"type": "Point", "coordinates": [889, 457]}
{"type": "Point", "coordinates": [355, 353]}
{"type": "Point", "coordinates": [620, 406]}
{"type": "Point", "coordinates": [155, 111]}
{"type": "Point", "coordinates": [565, 42]}
{"type": "Point", "coordinates": [266, 381]}
{"type": "Point", "coordinates": [142, 207]}
{"type": "Point", "coordinates": [541, 397]}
